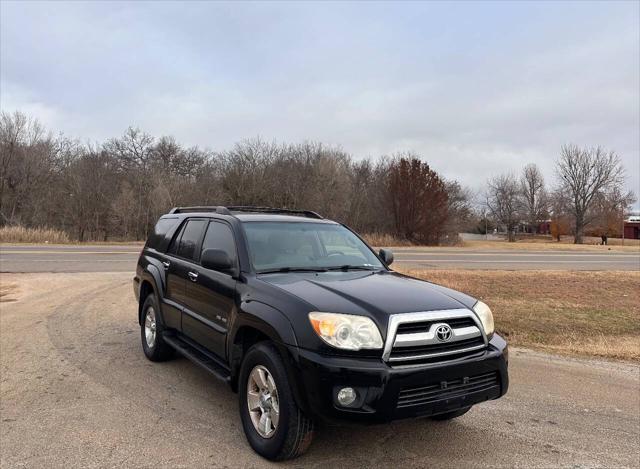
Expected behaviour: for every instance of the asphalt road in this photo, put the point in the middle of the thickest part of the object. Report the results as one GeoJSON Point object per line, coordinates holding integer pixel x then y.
{"type": "Point", "coordinates": [486, 259]}
{"type": "Point", "coordinates": [77, 391]}
{"type": "Point", "coordinates": [122, 258]}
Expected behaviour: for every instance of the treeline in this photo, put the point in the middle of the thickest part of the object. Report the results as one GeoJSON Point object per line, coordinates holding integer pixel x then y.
{"type": "Point", "coordinates": [118, 189]}
{"type": "Point", "coordinates": [588, 199]}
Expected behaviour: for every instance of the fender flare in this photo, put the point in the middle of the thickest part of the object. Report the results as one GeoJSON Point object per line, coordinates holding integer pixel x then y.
{"type": "Point", "coordinates": [276, 326]}
{"type": "Point", "coordinates": [266, 319]}
{"type": "Point", "coordinates": [152, 276]}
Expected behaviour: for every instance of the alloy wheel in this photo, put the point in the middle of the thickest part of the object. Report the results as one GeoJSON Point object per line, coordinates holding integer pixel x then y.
{"type": "Point", "coordinates": [263, 402]}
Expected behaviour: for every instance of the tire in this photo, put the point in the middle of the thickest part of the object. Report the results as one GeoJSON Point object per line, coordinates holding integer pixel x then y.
{"type": "Point", "coordinates": [451, 415]}
{"type": "Point", "coordinates": [292, 433]}
{"type": "Point", "coordinates": [155, 348]}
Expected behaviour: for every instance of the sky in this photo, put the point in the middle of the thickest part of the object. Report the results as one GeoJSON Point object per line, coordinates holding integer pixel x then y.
{"type": "Point", "coordinates": [475, 88]}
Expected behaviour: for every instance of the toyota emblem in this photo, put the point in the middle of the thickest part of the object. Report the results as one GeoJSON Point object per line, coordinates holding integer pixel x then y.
{"type": "Point", "coordinates": [444, 333]}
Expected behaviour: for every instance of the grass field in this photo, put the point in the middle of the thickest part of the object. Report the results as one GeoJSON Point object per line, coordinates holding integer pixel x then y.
{"type": "Point", "coordinates": [632, 245]}
{"type": "Point", "coordinates": [577, 313]}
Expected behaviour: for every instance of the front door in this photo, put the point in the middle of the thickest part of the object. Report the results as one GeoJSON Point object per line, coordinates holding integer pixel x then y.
{"type": "Point", "coordinates": [210, 295]}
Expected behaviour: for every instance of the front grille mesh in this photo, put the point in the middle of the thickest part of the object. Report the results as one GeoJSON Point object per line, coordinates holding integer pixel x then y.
{"type": "Point", "coordinates": [432, 393]}
{"type": "Point", "coordinates": [423, 326]}
{"type": "Point", "coordinates": [400, 353]}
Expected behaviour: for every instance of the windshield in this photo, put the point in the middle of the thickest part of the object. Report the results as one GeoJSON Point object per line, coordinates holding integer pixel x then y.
{"type": "Point", "coordinates": [276, 246]}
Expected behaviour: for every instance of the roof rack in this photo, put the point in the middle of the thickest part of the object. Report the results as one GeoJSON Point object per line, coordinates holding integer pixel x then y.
{"type": "Point", "coordinates": [251, 208]}
{"type": "Point", "coordinates": [245, 208]}
{"type": "Point", "coordinates": [204, 208]}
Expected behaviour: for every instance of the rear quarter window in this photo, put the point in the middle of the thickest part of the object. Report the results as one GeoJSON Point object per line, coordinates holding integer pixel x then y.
{"type": "Point", "coordinates": [160, 231]}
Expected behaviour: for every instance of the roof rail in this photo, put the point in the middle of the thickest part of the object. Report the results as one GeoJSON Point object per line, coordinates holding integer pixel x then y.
{"type": "Point", "coordinates": [204, 208]}
{"type": "Point", "coordinates": [244, 208]}
{"type": "Point", "coordinates": [286, 211]}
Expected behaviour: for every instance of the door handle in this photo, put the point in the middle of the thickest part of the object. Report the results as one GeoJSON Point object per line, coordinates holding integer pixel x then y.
{"type": "Point", "coordinates": [193, 276]}
{"type": "Point", "coordinates": [166, 264]}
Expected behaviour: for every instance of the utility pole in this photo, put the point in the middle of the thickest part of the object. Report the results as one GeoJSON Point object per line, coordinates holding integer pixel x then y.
{"type": "Point", "coordinates": [623, 225]}
{"type": "Point", "coordinates": [486, 234]}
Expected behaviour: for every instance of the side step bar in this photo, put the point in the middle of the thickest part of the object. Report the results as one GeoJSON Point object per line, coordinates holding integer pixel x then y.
{"type": "Point", "coordinates": [198, 356]}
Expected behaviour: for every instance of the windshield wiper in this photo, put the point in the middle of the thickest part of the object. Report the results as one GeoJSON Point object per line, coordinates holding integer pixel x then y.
{"type": "Point", "coordinates": [351, 267]}
{"type": "Point", "coordinates": [292, 269]}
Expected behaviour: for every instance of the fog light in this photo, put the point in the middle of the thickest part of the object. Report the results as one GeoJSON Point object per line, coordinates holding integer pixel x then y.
{"type": "Point", "coordinates": [347, 396]}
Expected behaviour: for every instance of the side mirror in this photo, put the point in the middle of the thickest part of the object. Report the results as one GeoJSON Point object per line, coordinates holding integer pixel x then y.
{"type": "Point", "coordinates": [216, 259]}
{"type": "Point", "coordinates": [386, 255]}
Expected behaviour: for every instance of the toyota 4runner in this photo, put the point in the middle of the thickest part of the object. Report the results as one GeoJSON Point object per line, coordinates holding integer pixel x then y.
{"type": "Point", "coordinates": [305, 321]}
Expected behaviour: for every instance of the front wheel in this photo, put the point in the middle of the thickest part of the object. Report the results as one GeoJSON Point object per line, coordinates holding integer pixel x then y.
{"type": "Point", "coordinates": [274, 425]}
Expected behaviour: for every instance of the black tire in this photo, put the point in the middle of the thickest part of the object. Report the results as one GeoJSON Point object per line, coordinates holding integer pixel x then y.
{"type": "Point", "coordinates": [451, 415]}
{"type": "Point", "coordinates": [159, 350]}
{"type": "Point", "coordinates": [294, 431]}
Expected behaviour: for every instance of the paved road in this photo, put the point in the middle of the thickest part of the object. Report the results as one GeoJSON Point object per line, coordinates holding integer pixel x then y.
{"type": "Point", "coordinates": [462, 258]}
{"type": "Point", "coordinates": [82, 258]}
{"type": "Point", "coordinates": [119, 258]}
{"type": "Point", "coordinates": [76, 391]}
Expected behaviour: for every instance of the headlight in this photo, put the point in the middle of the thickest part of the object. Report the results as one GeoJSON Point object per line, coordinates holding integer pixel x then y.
{"type": "Point", "coordinates": [486, 317]}
{"type": "Point", "coordinates": [346, 331]}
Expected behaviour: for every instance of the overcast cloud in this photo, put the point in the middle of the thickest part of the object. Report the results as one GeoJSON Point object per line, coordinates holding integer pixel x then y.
{"type": "Point", "coordinates": [475, 89]}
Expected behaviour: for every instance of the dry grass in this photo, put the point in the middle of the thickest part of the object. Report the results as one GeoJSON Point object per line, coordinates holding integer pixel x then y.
{"type": "Point", "coordinates": [383, 239]}
{"type": "Point", "coordinates": [19, 234]}
{"type": "Point", "coordinates": [631, 245]}
{"type": "Point", "coordinates": [580, 313]}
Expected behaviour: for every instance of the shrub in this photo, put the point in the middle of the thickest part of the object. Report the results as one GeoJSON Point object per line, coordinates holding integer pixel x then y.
{"type": "Point", "coordinates": [381, 240]}
{"type": "Point", "coordinates": [20, 234]}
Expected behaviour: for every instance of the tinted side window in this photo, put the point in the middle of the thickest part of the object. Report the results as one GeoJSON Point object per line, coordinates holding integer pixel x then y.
{"type": "Point", "coordinates": [190, 238]}
{"type": "Point", "coordinates": [173, 247]}
{"type": "Point", "coordinates": [164, 225]}
{"type": "Point", "coordinates": [220, 236]}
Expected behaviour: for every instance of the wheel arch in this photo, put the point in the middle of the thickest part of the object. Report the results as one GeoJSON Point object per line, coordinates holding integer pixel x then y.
{"type": "Point", "coordinates": [260, 322]}
{"type": "Point", "coordinates": [149, 285]}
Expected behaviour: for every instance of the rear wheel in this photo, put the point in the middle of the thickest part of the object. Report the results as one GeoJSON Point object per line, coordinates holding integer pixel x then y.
{"type": "Point", "coordinates": [451, 415]}
{"type": "Point", "coordinates": [153, 345]}
{"type": "Point", "coordinates": [274, 425]}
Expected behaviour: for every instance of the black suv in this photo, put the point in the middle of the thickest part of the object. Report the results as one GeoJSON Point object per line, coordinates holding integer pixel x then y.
{"type": "Point", "coordinates": [305, 321]}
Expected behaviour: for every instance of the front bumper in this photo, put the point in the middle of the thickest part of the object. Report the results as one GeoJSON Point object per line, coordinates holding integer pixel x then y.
{"type": "Point", "coordinates": [387, 393]}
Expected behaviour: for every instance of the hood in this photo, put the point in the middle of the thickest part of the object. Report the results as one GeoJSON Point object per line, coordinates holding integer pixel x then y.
{"type": "Point", "coordinates": [376, 294]}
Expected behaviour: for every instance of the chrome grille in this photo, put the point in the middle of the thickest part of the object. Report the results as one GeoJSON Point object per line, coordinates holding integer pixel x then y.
{"type": "Point", "coordinates": [424, 326]}
{"type": "Point", "coordinates": [412, 338]}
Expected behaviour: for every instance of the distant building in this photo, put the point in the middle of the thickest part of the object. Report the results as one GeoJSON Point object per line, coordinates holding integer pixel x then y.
{"type": "Point", "coordinates": [632, 227]}
{"type": "Point", "coordinates": [544, 227]}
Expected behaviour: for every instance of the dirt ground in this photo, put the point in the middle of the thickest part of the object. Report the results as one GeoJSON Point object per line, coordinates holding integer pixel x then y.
{"type": "Point", "coordinates": [76, 391]}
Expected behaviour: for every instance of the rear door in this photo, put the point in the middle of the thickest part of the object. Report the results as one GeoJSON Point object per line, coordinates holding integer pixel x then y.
{"type": "Point", "coordinates": [210, 295]}
{"type": "Point", "coordinates": [180, 258]}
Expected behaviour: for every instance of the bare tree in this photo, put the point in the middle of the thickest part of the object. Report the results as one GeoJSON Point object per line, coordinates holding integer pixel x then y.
{"type": "Point", "coordinates": [561, 219]}
{"type": "Point", "coordinates": [609, 209]}
{"type": "Point", "coordinates": [27, 154]}
{"type": "Point", "coordinates": [503, 200]}
{"type": "Point", "coordinates": [534, 196]}
{"type": "Point", "coordinates": [460, 210]}
{"type": "Point", "coordinates": [585, 172]}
